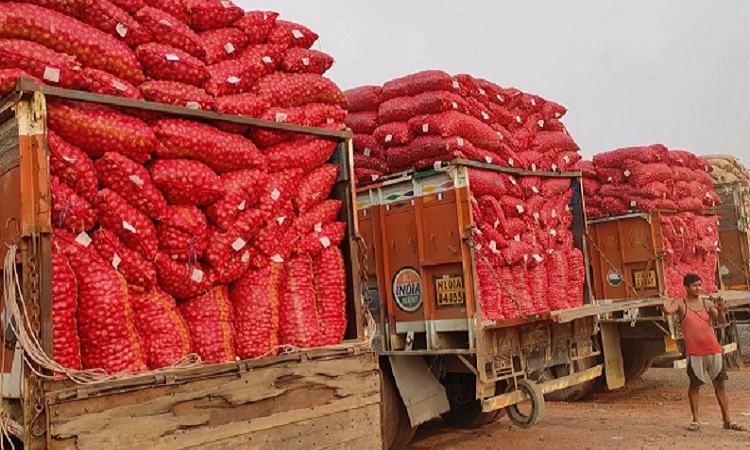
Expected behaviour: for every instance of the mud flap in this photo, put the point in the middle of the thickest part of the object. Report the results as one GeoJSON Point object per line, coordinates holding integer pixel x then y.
{"type": "Point", "coordinates": [613, 364]}
{"type": "Point", "coordinates": [422, 393]}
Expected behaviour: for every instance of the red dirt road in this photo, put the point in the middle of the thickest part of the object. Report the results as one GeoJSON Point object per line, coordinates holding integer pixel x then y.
{"type": "Point", "coordinates": [652, 413]}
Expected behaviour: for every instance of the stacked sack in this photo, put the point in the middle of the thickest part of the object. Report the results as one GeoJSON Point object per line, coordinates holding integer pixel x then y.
{"type": "Point", "coordinates": [645, 179]}
{"type": "Point", "coordinates": [369, 156]}
{"type": "Point", "coordinates": [692, 245]}
{"type": "Point", "coordinates": [526, 259]}
{"type": "Point", "coordinates": [430, 117]}
{"type": "Point", "coordinates": [173, 236]}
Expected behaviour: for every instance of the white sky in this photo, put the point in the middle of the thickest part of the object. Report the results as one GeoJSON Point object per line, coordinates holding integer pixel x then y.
{"type": "Point", "coordinates": [629, 72]}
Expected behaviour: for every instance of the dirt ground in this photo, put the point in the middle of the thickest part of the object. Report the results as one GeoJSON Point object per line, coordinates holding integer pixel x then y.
{"type": "Point", "coordinates": [651, 413]}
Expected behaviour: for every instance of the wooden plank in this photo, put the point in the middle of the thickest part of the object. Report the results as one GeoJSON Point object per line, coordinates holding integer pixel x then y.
{"type": "Point", "coordinates": [251, 408]}
{"type": "Point", "coordinates": [613, 363]}
{"type": "Point", "coordinates": [27, 85]}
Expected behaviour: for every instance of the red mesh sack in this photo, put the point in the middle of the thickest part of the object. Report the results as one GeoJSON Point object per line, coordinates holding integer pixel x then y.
{"type": "Point", "coordinates": [487, 182]}
{"type": "Point", "coordinates": [242, 190]}
{"type": "Point", "coordinates": [566, 161]}
{"type": "Point", "coordinates": [402, 109]}
{"type": "Point", "coordinates": [256, 298]}
{"type": "Point", "coordinates": [453, 123]}
{"type": "Point", "coordinates": [547, 141]}
{"type": "Point", "coordinates": [268, 137]}
{"type": "Point", "coordinates": [210, 320]}
{"type": "Point", "coordinates": [517, 252]}
{"type": "Point", "coordinates": [300, 60]}
{"type": "Point", "coordinates": [514, 206]}
{"type": "Point", "coordinates": [530, 186]}
{"type": "Point", "coordinates": [368, 162]}
{"type": "Point", "coordinates": [320, 114]}
{"type": "Point", "coordinates": [109, 18]}
{"type": "Point", "coordinates": [240, 75]}
{"type": "Point", "coordinates": [40, 62]}
{"type": "Point", "coordinates": [212, 14]}
{"type": "Point", "coordinates": [182, 233]}
{"type": "Point", "coordinates": [330, 235]}
{"type": "Point", "coordinates": [613, 206]}
{"type": "Point", "coordinates": [538, 285]}
{"type": "Point", "coordinates": [304, 153]}
{"type": "Point", "coordinates": [100, 82]}
{"type": "Point", "coordinates": [393, 134]}
{"type": "Point", "coordinates": [70, 8]}
{"type": "Point", "coordinates": [162, 62]}
{"type": "Point", "coordinates": [315, 187]}
{"type": "Point", "coordinates": [291, 34]}
{"type": "Point", "coordinates": [330, 294]}
{"type": "Point", "coordinates": [417, 83]}
{"type": "Point", "coordinates": [96, 129]}
{"type": "Point", "coordinates": [587, 169]}
{"type": "Point", "coordinates": [174, 8]}
{"type": "Point", "coordinates": [279, 191]}
{"type": "Point", "coordinates": [689, 204]}
{"type": "Point", "coordinates": [577, 274]}
{"type": "Point", "coordinates": [363, 98]}
{"type": "Point", "coordinates": [277, 239]}
{"type": "Point", "coordinates": [186, 182]}
{"type": "Point", "coordinates": [555, 186]}
{"type": "Point", "coordinates": [181, 280]}
{"type": "Point", "coordinates": [489, 291]}
{"type": "Point", "coordinates": [9, 78]}
{"type": "Point", "coordinates": [423, 151]}
{"type": "Point", "coordinates": [249, 105]}
{"type": "Point", "coordinates": [295, 89]}
{"type": "Point", "coordinates": [131, 6]}
{"type": "Point", "coordinates": [557, 270]}
{"type": "Point", "coordinates": [109, 339]}
{"type": "Point", "coordinates": [66, 347]}
{"type": "Point", "coordinates": [519, 290]}
{"type": "Point", "coordinates": [70, 211]}
{"type": "Point", "coordinates": [645, 155]}
{"type": "Point", "coordinates": [366, 145]}
{"type": "Point", "coordinates": [72, 166]}
{"type": "Point", "coordinates": [224, 244]}
{"type": "Point", "coordinates": [552, 110]}
{"type": "Point", "coordinates": [168, 30]}
{"type": "Point", "coordinates": [177, 94]}
{"type": "Point", "coordinates": [222, 44]}
{"type": "Point", "coordinates": [363, 123]}
{"type": "Point", "coordinates": [591, 186]}
{"type": "Point", "coordinates": [221, 151]}
{"type": "Point", "coordinates": [132, 182]}
{"type": "Point", "coordinates": [131, 265]}
{"type": "Point", "coordinates": [687, 159]}
{"type": "Point", "coordinates": [317, 216]}
{"type": "Point", "coordinates": [298, 324]}
{"type": "Point", "coordinates": [257, 25]}
{"type": "Point", "coordinates": [59, 33]}
{"type": "Point", "coordinates": [131, 226]}
{"type": "Point", "coordinates": [367, 176]}
{"type": "Point", "coordinates": [641, 175]}
{"type": "Point", "coordinates": [165, 335]}
{"type": "Point", "coordinates": [610, 176]}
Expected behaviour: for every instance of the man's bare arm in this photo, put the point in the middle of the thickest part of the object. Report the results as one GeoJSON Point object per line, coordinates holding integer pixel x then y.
{"type": "Point", "coordinates": [715, 307]}
{"type": "Point", "coordinates": [670, 307]}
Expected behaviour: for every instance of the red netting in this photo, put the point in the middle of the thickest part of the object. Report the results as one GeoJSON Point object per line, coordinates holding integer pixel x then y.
{"type": "Point", "coordinates": [256, 298]}
{"type": "Point", "coordinates": [330, 294]}
{"type": "Point", "coordinates": [132, 182]}
{"type": "Point", "coordinates": [70, 211]}
{"type": "Point", "coordinates": [72, 166]}
{"type": "Point", "coordinates": [109, 18]}
{"type": "Point", "coordinates": [647, 154]}
{"type": "Point", "coordinates": [177, 94]}
{"type": "Point", "coordinates": [237, 76]}
{"type": "Point", "coordinates": [242, 191]}
{"type": "Point", "coordinates": [66, 349]}
{"type": "Point", "coordinates": [298, 324]}
{"type": "Point", "coordinates": [100, 82]}
{"type": "Point", "coordinates": [249, 105]}
{"type": "Point", "coordinates": [364, 98]}
{"type": "Point", "coordinates": [453, 123]}
{"type": "Point", "coordinates": [417, 83]}
{"type": "Point", "coordinates": [131, 265]}
{"type": "Point", "coordinates": [212, 14]}
{"type": "Point", "coordinates": [322, 114]}
{"type": "Point", "coordinates": [186, 182]}
{"type": "Point", "coordinates": [314, 218]}
{"type": "Point", "coordinates": [182, 233]}
{"type": "Point", "coordinates": [181, 280]}
{"type": "Point", "coordinates": [9, 78]}
{"type": "Point", "coordinates": [549, 141]}
{"type": "Point", "coordinates": [300, 60]}
{"type": "Point", "coordinates": [489, 291]}
{"type": "Point", "coordinates": [330, 235]}
{"type": "Point", "coordinates": [368, 162]}
{"type": "Point", "coordinates": [210, 320]}
{"type": "Point", "coordinates": [168, 30]}
{"type": "Point", "coordinates": [174, 8]}
{"type": "Point", "coordinates": [362, 123]}
{"type": "Point", "coordinates": [224, 244]}
{"type": "Point", "coordinates": [266, 137]}
{"type": "Point", "coordinates": [304, 153]}
{"type": "Point", "coordinates": [557, 270]}
{"type": "Point", "coordinates": [295, 89]}
{"type": "Point", "coordinates": [402, 109]}
{"type": "Point", "coordinates": [222, 44]}
{"type": "Point", "coordinates": [131, 226]}
{"type": "Point", "coordinates": [393, 134]}
{"type": "Point", "coordinates": [40, 62]}
{"type": "Point", "coordinates": [162, 62]}
{"type": "Point", "coordinates": [315, 187]}
{"type": "Point", "coordinates": [291, 34]}
{"type": "Point", "coordinates": [257, 25]}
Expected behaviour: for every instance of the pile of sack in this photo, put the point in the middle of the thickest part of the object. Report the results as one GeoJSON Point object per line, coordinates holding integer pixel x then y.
{"type": "Point", "coordinates": [692, 245]}
{"type": "Point", "coordinates": [369, 155]}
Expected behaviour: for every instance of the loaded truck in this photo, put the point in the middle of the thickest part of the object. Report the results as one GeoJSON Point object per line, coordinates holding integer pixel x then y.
{"type": "Point", "coordinates": [327, 397]}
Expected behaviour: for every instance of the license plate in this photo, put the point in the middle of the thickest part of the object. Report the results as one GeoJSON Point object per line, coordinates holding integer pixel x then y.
{"type": "Point", "coordinates": [449, 290]}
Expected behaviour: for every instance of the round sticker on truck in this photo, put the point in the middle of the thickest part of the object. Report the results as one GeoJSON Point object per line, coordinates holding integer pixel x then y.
{"type": "Point", "coordinates": [407, 289]}
{"type": "Point", "coordinates": [614, 277]}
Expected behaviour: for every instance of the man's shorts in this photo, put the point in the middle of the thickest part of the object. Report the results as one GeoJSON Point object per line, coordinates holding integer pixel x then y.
{"type": "Point", "coordinates": [711, 366]}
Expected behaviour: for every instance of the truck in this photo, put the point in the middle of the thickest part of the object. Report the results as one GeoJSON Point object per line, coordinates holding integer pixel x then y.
{"type": "Point", "coordinates": [328, 397]}
{"type": "Point", "coordinates": [440, 355]}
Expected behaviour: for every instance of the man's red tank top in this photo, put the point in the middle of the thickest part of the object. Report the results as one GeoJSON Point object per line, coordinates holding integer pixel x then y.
{"type": "Point", "coordinates": [700, 339]}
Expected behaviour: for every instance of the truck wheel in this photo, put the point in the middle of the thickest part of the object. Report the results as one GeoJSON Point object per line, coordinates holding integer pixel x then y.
{"type": "Point", "coordinates": [466, 409]}
{"type": "Point", "coordinates": [517, 413]}
{"type": "Point", "coordinates": [397, 429]}
{"type": "Point", "coordinates": [634, 361]}
{"type": "Point", "coordinates": [572, 393]}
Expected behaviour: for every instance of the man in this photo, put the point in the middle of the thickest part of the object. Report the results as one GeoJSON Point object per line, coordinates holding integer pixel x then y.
{"type": "Point", "coordinates": [704, 354]}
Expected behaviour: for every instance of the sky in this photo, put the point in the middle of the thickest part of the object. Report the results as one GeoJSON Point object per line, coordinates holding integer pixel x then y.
{"type": "Point", "coordinates": [633, 72]}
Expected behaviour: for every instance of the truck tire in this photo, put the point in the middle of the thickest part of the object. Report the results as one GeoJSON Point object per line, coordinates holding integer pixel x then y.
{"type": "Point", "coordinates": [538, 407]}
{"type": "Point", "coordinates": [466, 410]}
{"type": "Point", "coordinates": [634, 361]}
{"type": "Point", "coordinates": [573, 393]}
{"type": "Point", "coordinates": [397, 429]}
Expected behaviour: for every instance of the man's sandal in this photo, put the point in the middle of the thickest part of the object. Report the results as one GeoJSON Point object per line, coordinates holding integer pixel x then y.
{"type": "Point", "coordinates": [694, 426]}
{"type": "Point", "coordinates": [734, 426]}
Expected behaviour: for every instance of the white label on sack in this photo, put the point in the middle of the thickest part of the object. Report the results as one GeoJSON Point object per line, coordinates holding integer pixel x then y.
{"type": "Point", "coordinates": [626, 173]}
{"type": "Point", "coordinates": [553, 232]}
{"type": "Point", "coordinates": [511, 162]}
{"type": "Point", "coordinates": [280, 220]}
{"type": "Point", "coordinates": [493, 246]}
{"type": "Point", "coordinates": [196, 275]}
{"type": "Point", "coordinates": [478, 231]}
{"type": "Point", "coordinates": [525, 258]}
{"type": "Point", "coordinates": [536, 216]}
{"type": "Point", "coordinates": [500, 135]}
{"type": "Point", "coordinates": [540, 123]}
{"type": "Point", "coordinates": [136, 180]}
{"type": "Point", "coordinates": [70, 160]}
{"type": "Point", "coordinates": [533, 102]}
{"type": "Point", "coordinates": [245, 257]}
{"type": "Point", "coordinates": [388, 138]}
{"type": "Point", "coordinates": [233, 80]}
{"type": "Point", "coordinates": [534, 189]}
{"type": "Point", "coordinates": [566, 159]}
{"type": "Point", "coordinates": [242, 206]}
{"type": "Point", "coordinates": [520, 209]}
{"type": "Point", "coordinates": [478, 247]}
{"type": "Point", "coordinates": [83, 239]}
{"type": "Point", "coordinates": [374, 177]}
{"type": "Point", "coordinates": [513, 181]}
{"type": "Point", "coordinates": [437, 165]}
{"type": "Point", "coordinates": [553, 213]}
{"type": "Point", "coordinates": [166, 23]}
{"type": "Point", "coordinates": [609, 179]}
{"type": "Point", "coordinates": [567, 208]}
{"type": "Point", "coordinates": [305, 61]}
{"type": "Point", "coordinates": [425, 127]}
{"type": "Point", "coordinates": [316, 195]}
{"type": "Point", "coordinates": [325, 241]}
{"type": "Point", "coordinates": [51, 74]}
{"type": "Point", "coordinates": [119, 86]}
{"type": "Point", "coordinates": [554, 167]}
{"type": "Point", "coordinates": [557, 115]}
{"type": "Point", "coordinates": [633, 203]}
{"type": "Point", "coordinates": [537, 258]}
{"type": "Point", "coordinates": [454, 105]}
{"type": "Point", "coordinates": [482, 92]}
{"type": "Point", "coordinates": [318, 227]}
{"type": "Point", "coordinates": [485, 116]}
{"type": "Point", "coordinates": [500, 97]}
{"type": "Point", "coordinates": [275, 194]}
{"type": "Point", "coordinates": [265, 15]}
{"type": "Point", "coordinates": [121, 29]}
{"type": "Point", "coordinates": [229, 48]}
{"type": "Point", "coordinates": [455, 84]}
{"type": "Point", "coordinates": [488, 159]}
{"type": "Point", "coordinates": [710, 229]}
{"type": "Point", "coordinates": [367, 152]}
{"type": "Point", "coordinates": [267, 60]}
{"type": "Point", "coordinates": [129, 227]}
{"type": "Point", "coordinates": [281, 116]}
{"type": "Point", "coordinates": [172, 57]}
{"type": "Point", "coordinates": [226, 4]}
{"type": "Point", "coordinates": [460, 142]}
{"type": "Point", "coordinates": [239, 244]}
{"type": "Point", "coordinates": [518, 119]}
{"type": "Point", "coordinates": [277, 258]}
{"type": "Point", "coordinates": [517, 238]}
{"type": "Point", "coordinates": [116, 261]}
{"type": "Point", "coordinates": [192, 105]}
{"type": "Point", "coordinates": [533, 167]}
{"type": "Point", "coordinates": [297, 34]}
